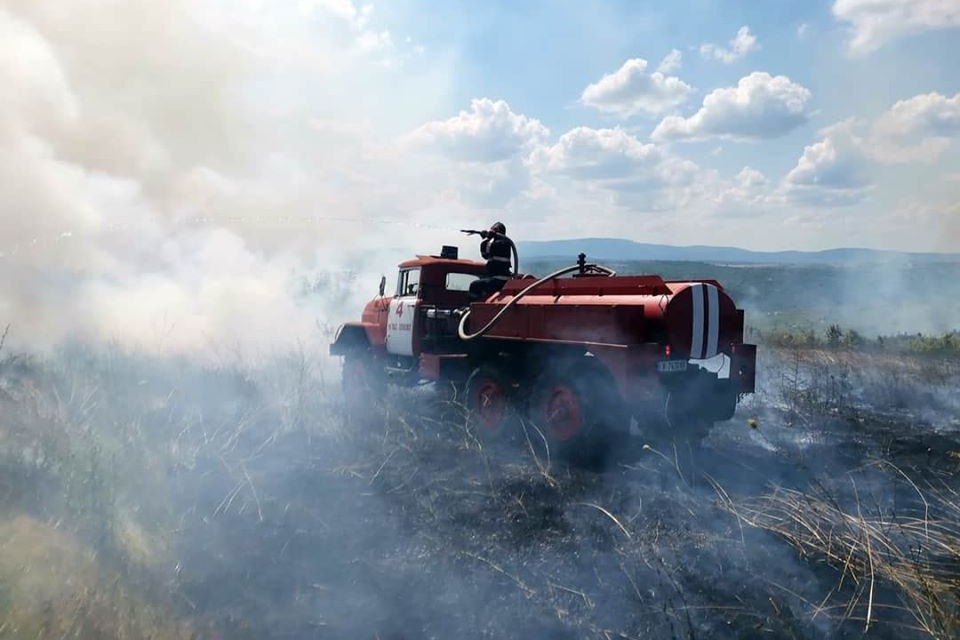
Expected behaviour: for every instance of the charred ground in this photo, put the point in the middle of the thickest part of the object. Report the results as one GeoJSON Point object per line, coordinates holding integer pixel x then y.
{"type": "Point", "coordinates": [146, 498]}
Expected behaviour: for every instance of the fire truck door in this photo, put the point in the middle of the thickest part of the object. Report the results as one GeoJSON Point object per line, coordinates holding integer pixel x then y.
{"type": "Point", "coordinates": [402, 315]}
{"type": "Point", "coordinates": [400, 323]}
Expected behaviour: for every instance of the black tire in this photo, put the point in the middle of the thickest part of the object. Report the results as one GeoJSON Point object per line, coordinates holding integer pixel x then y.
{"type": "Point", "coordinates": [578, 409]}
{"type": "Point", "coordinates": [364, 386]}
{"type": "Point", "coordinates": [488, 396]}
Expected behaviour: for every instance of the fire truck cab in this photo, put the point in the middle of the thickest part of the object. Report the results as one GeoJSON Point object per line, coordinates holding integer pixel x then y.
{"type": "Point", "coordinates": [411, 333]}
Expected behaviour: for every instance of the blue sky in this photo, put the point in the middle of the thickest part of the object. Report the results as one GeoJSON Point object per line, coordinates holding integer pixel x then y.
{"type": "Point", "coordinates": [539, 56]}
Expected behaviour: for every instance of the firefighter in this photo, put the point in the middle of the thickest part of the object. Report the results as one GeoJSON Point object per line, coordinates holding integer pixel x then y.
{"type": "Point", "coordinates": [496, 249]}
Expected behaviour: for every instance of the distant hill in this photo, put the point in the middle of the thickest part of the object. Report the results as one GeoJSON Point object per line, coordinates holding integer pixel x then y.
{"type": "Point", "coordinates": [617, 249]}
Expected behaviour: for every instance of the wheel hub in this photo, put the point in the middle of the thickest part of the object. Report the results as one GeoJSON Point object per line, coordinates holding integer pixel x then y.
{"type": "Point", "coordinates": [489, 404]}
{"type": "Point", "coordinates": [562, 414]}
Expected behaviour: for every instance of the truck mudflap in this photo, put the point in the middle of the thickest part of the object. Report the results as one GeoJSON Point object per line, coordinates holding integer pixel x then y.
{"type": "Point", "coordinates": [743, 366]}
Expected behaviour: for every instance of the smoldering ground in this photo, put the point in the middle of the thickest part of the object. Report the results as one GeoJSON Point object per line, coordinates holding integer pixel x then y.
{"type": "Point", "coordinates": [161, 497]}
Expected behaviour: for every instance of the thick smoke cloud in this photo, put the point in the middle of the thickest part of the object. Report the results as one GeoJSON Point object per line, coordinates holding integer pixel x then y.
{"type": "Point", "coordinates": [169, 177]}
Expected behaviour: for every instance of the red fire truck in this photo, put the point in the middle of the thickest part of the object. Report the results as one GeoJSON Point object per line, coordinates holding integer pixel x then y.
{"type": "Point", "coordinates": [578, 354]}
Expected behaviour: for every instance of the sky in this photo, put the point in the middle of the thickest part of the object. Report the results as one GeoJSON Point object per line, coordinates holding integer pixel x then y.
{"type": "Point", "coordinates": [773, 125]}
{"type": "Point", "coordinates": [169, 166]}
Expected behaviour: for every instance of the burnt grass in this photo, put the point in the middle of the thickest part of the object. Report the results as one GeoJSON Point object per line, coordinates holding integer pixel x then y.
{"type": "Point", "coordinates": [276, 515]}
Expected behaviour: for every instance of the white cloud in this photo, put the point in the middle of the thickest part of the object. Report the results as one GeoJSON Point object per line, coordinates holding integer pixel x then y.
{"type": "Point", "coordinates": [322, 34]}
{"type": "Point", "coordinates": [639, 174]}
{"type": "Point", "coordinates": [741, 44]}
{"type": "Point", "coordinates": [343, 9]}
{"type": "Point", "coordinates": [750, 177]}
{"type": "Point", "coordinates": [803, 30]}
{"type": "Point", "coordinates": [599, 153]}
{"type": "Point", "coordinates": [367, 40]}
{"type": "Point", "coordinates": [835, 170]}
{"type": "Point", "coordinates": [760, 106]}
{"type": "Point", "coordinates": [671, 62]}
{"type": "Point", "coordinates": [874, 23]}
{"type": "Point", "coordinates": [630, 90]}
{"type": "Point", "coordinates": [748, 194]}
{"type": "Point", "coordinates": [370, 41]}
{"type": "Point", "coordinates": [489, 132]}
{"type": "Point", "coordinates": [489, 185]}
{"type": "Point", "coordinates": [481, 156]}
{"type": "Point", "coordinates": [831, 171]}
{"type": "Point", "coordinates": [614, 167]}
{"type": "Point", "coordinates": [919, 129]}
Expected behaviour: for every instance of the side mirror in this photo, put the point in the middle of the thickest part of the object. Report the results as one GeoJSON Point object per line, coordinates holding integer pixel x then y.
{"type": "Point", "coordinates": [383, 285]}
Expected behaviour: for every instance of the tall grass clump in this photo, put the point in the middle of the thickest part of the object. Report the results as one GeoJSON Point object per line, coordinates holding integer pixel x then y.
{"type": "Point", "coordinates": [917, 553]}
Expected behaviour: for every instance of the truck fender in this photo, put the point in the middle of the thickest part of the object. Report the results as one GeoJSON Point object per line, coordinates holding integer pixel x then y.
{"type": "Point", "coordinates": [349, 337]}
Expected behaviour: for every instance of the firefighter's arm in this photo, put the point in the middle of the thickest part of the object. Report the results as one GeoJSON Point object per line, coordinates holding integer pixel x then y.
{"type": "Point", "coordinates": [485, 248]}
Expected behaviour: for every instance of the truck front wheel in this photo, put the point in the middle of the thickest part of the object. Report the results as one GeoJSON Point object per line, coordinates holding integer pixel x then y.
{"type": "Point", "coordinates": [363, 385]}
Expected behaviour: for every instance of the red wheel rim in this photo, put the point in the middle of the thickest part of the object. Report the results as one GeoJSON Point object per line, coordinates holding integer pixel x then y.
{"type": "Point", "coordinates": [488, 404]}
{"type": "Point", "coordinates": [561, 413]}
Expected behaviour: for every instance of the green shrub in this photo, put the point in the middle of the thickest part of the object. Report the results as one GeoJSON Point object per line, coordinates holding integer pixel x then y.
{"type": "Point", "coordinates": [834, 335]}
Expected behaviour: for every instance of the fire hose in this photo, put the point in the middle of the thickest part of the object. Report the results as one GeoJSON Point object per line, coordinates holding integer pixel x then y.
{"type": "Point", "coordinates": [582, 268]}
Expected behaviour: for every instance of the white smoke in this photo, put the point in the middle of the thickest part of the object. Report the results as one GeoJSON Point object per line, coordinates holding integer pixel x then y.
{"type": "Point", "coordinates": [171, 171]}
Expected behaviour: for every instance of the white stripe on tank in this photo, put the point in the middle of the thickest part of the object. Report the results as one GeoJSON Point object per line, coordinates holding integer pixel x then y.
{"type": "Point", "coordinates": [696, 338]}
{"type": "Point", "coordinates": [713, 320]}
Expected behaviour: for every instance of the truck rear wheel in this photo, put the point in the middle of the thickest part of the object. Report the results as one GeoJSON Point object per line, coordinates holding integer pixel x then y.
{"type": "Point", "coordinates": [686, 420]}
{"type": "Point", "coordinates": [579, 411]}
{"type": "Point", "coordinates": [488, 391]}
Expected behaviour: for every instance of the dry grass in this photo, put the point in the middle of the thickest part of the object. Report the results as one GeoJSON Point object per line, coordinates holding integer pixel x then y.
{"type": "Point", "coordinates": [918, 555]}
{"type": "Point", "coordinates": [55, 588]}
{"type": "Point", "coordinates": [164, 485]}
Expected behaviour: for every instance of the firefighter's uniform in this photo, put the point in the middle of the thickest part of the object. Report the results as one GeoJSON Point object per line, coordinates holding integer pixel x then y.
{"type": "Point", "coordinates": [496, 250]}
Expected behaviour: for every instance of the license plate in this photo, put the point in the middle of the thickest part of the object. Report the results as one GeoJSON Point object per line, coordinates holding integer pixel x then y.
{"type": "Point", "coordinates": [671, 366]}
